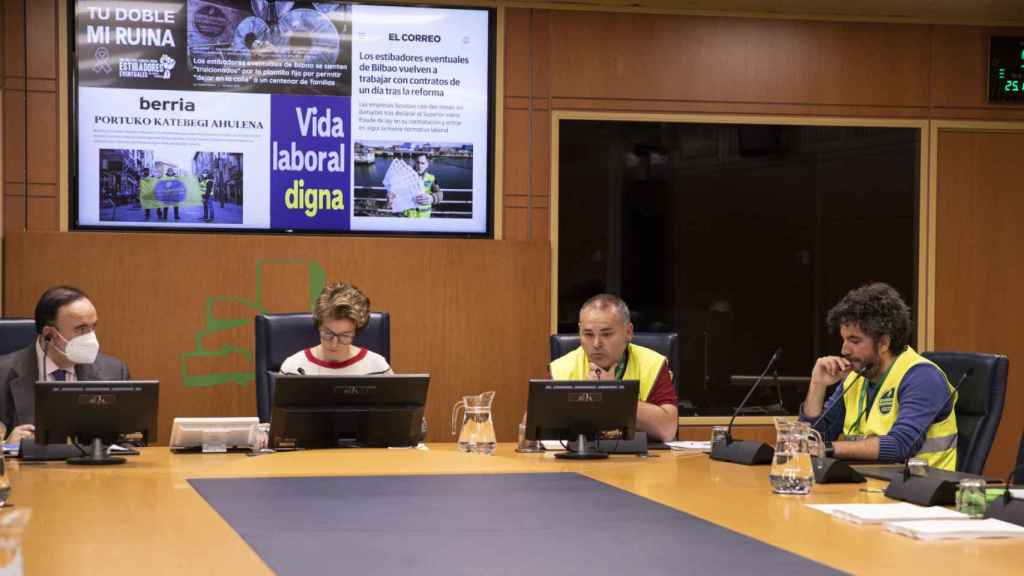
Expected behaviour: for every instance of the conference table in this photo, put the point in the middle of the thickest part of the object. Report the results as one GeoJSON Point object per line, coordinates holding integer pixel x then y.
{"type": "Point", "coordinates": [147, 516]}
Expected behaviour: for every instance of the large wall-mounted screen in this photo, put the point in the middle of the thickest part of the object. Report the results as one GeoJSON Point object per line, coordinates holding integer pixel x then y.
{"type": "Point", "coordinates": [324, 117]}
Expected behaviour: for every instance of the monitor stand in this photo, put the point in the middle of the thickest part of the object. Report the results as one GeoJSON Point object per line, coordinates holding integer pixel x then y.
{"type": "Point", "coordinates": [97, 456]}
{"type": "Point", "coordinates": [581, 452]}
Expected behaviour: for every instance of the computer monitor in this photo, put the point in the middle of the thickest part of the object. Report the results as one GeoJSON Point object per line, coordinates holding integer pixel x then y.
{"type": "Point", "coordinates": [347, 411]}
{"type": "Point", "coordinates": [581, 410]}
{"type": "Point", "coordinates": [98, 413]}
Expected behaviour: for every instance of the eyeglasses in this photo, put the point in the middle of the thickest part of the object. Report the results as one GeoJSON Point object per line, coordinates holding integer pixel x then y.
{"type": "Point", "coordinates": [326, 335]}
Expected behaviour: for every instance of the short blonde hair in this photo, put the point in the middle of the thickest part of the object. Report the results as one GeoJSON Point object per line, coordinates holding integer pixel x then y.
{"type": "Point", "coordinates": [339, 300]}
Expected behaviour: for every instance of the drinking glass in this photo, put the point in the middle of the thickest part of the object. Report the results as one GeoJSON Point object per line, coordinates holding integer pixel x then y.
{"type": "Point", "coordinates": [970, 497]}
{"type": "Point", "coordinates": [719, 435]}
{"type": "Point", "coordinates": [12, 526]}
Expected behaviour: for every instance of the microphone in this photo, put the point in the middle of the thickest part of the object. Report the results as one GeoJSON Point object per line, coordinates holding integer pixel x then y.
{"type": "Point", "coordinates": [1006, 507]}
{"type": "Point", "coordinates": [842, 397]}
{"type": "Point", "coordinates": [42, 361]}
{"type": "Point", "coordinates": [831, 470]}
{"type": "Point", "coordinates": [862, 372]}
{"type": "Point", "coordinates": [928, 490]}
{"type": "Point", "coordinates": [952, 394]}
{"type": "Point", "coordinates": [745, 451]}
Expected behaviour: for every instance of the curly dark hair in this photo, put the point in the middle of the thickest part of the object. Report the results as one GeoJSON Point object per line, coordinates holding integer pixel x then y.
{"type": "Point", "coordinates": [877, 310]}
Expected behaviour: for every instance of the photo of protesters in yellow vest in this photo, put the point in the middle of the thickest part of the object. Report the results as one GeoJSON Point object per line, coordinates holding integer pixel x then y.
{"type": "Point", "coordinates": [606, 353]}
{"type": "Point", "coordinates": [892, 404]}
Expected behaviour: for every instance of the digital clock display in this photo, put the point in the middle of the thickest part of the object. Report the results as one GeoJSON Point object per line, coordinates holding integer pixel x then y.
{"type": "Point", "coordinates": [1006, 69]}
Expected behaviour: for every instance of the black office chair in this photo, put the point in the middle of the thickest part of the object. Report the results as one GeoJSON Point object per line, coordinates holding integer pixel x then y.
{"type": "Point", "coordinates": [979, 403]}
{"type": "Point", "coordinates": [15, 334]}
{"type": "Point", "coordinates": [664, 343]}
{"type": "Point", "coordinates": [278, 336]}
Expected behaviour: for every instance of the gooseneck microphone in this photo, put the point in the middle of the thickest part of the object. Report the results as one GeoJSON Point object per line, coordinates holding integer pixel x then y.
{"type": "Point", "coordinates": [745, 451]}
{"type": "Point", "coordinates": [842, 398]}
{"type": "Point", "coordinates": [1006, 507]}
{"type": "Point", "coordinates": [775, 356]}
{"type": "Point", "coordinates": [42, 361]}
{"type": "Point", "coordinates": [831, 470]}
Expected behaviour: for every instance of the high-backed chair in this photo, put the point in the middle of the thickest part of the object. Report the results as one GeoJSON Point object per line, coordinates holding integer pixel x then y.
{"type": "Point", "coordinates": [665, 343]}
{"type": "Point", "coordinates": [979, 402]}
{"type": "Point", "coordinates": [278, 336]}
{"type": "Point", "coordinates": [15, 334]}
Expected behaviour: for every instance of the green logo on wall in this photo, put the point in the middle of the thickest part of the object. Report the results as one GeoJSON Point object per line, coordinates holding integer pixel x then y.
{"type": "Point", "coordinates": [236, 342]}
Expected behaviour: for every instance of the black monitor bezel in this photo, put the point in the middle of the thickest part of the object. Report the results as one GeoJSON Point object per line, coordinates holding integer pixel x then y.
{"type": "Point", "coordinates": [357, 400]}
{"type": "Point", "coordinates": [547, 396]}
{"type": "Point", "coordinates": [77, 421]}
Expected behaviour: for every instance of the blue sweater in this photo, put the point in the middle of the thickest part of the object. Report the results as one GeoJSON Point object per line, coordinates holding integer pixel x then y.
{"type": "Point", "coordinates": [923, 399]}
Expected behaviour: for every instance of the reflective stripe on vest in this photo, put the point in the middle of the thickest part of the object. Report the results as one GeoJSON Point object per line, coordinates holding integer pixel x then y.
{"type": "Point", "coordinates": [939, 447]}
{"type": "Point", "coordinates": [644, 365]}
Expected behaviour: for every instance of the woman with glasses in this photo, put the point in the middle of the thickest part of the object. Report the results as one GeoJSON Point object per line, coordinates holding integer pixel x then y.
{"type": "Point", "coordinates": [341, 311]}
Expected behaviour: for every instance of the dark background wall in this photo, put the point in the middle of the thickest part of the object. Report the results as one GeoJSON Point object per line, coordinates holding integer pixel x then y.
{"type": "Point", "coordinates": [553, 60]}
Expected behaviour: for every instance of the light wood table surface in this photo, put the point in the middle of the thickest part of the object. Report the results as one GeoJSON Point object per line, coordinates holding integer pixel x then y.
{"type": "Point", "coordinates": [144, 518]}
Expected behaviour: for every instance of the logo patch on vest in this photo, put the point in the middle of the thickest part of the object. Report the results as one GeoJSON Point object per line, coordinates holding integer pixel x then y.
{"type": "Point", "coordinates": [885, 401]}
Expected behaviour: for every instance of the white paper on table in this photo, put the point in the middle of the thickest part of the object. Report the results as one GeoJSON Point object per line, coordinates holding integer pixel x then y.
{"type": "Point", "coordinates": [702, 446]}
{"type": "Point", "coordinates": [402, 181]}
{"type": "Point", "coordinates": [878, 513]}
{"type": "Point", "coordinates": [553, 445]}
{"type": "Point", "coordinates": [947, 529]}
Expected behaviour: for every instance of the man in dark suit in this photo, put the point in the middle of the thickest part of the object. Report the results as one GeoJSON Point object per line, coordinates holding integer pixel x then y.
{"type": "Point", "coordinates": [65, 349]}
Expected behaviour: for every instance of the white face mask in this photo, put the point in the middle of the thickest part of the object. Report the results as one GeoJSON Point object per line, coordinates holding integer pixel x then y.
{"type": "Point", "coordinates": [82, 349]}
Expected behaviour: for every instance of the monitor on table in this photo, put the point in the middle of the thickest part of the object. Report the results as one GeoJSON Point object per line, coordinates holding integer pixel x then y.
{"type": "Point", "coordinates": [96, 412]}
{"type": "Point", "coordinates": [347, 411]}
{"type": "Point", "coordinates": [581, 410]}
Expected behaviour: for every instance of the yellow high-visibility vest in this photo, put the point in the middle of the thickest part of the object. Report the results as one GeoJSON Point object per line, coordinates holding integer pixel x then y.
{"type": "Point", "coordinates": [939, 446]}
{"type": "Point", "coordinates": [644, 365]}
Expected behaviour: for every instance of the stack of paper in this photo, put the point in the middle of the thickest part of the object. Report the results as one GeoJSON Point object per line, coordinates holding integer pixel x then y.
{"type": "Point", "coordinates": [404, 184]}
{"type": "Point", "coordinates": [879, 513]}
{"type": "Point", "coordinates": [929, 530]}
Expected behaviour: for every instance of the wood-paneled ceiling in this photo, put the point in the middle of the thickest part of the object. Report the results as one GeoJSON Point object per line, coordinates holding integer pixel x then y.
{"type": "Point", "coordinates": [994, 12]}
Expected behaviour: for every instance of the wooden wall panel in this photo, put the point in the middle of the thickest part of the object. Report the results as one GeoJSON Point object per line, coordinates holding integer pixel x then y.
{"type": "Point", "coordinates": [596, 55]}
{"type": "Point", "coordinates": [41, 152]}
{"type": "Point", "coordinates": [542, 53]}
{"type": "Point", "coordinates": [471, 313]}
{"type": "Point", "coordinates": [42, 213]}
{"type": "Point", "coordinates": [540, 149]}
{"type": "Point", "coordinates": [516, 222]}
{"type": "Point", "coordinates": [14, 38]}
{"type": "Point", "coordinates": [14, 213]}
{"type": "Point", "coordinates": [14, 135]}
{"type": "Point", "coordinates": [41, 38]}
{"type": "Point", "coordinates": [979, 277]}
{"type": "Point", "coordinates": [517, 154]}
{"type": "Point", "coordinates": [517, 52]}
